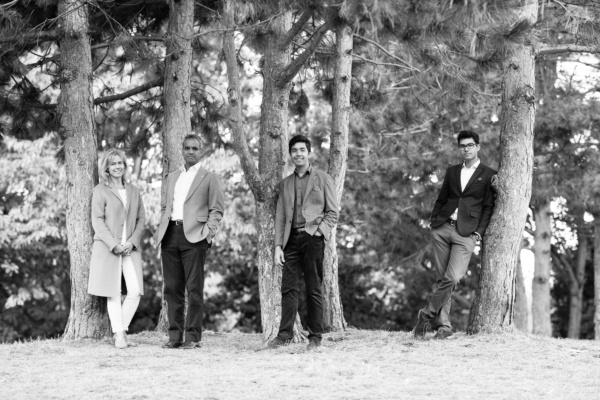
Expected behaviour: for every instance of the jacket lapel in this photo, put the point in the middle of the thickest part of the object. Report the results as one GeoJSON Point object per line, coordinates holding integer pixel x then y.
{"type": "Point", "coordinates": [289, 190]}
{"type": "Point", "coordinates": [116, 193]}
{"type": "Point", "coordinates": [312, 178]}
{"type": "Point", "coordinates": [171, 180]}
{"type": "Point", "coordinates": [475, 175]}
{"type": "Point", "coordinates": [457, 177]}
{"type": "Point", "coordinates": [129, 194]}
{"type": "Point", "coordinates": [200, 174]}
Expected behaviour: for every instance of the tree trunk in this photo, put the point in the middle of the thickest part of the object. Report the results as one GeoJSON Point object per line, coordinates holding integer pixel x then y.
{"type": "Point", "coordinates": [87, 317]}
{"type": "Point", "coordinates": [541, 299]}
{"type": "Point", "coordinates": [597, 276]}
{"type": "Point", "coordinates": [493, 305]}
{"type": "Point", "coordinates": [333, 315]}
{"type": "Point", "coordinates": [521, 314]}
{"type": "Point", "coordinates": [576, 287]}
{"type": "Point", "coordinates": [177, 90]}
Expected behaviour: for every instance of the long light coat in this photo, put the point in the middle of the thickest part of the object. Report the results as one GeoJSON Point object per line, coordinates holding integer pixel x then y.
{"type": "Point", "coordinates": [108, 215]}
{"type": "Point", "coordinates": [202, 209]}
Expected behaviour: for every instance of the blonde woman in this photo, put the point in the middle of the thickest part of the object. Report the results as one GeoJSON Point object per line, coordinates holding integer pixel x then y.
{"type": "Point", "coordinates": [118, 222]}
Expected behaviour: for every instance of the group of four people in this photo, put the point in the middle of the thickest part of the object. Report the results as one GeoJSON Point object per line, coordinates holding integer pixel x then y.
{"type": "Point", "coordinates": [307, 211]}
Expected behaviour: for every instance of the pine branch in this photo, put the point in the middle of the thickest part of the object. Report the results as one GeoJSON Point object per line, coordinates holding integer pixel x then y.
{"type": "Point", "coordinates": [34, 37]}
{"type": "Point", "coordinates": [106, 99]}
{"type": "Point", "coordinates": [383, 63]}
{"type": "Point", "coordinates": [387, 52]}
{"type": "Point", "coordinates": [565, 48]}
{"type": "Point", "coordinates": [297, 27]}
{"type": "Point", "coordinates": [234, 96]}
{"type": "Point", "coordinates": [132, 92]}
{"type": "Point", "coordinates": [292, 69]}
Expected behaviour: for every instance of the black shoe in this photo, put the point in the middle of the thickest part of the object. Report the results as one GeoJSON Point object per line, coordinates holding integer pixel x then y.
{"type": "Point", "coordinates": [313, 344]}
{"type": "Point", "coordinates": [442, 334]}
{"type": "Point", "coordinates": [275, 343]}
{"type": "Point", "coordinates": [422, 326]}
{"type": "Point", "coordinates": [172, 344]}
{"type": "Point", "coordinates": [190, 345]}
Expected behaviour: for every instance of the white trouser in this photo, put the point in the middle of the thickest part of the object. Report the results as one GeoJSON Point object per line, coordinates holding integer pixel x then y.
{"type": "Point", "coordinates": [120, 315]}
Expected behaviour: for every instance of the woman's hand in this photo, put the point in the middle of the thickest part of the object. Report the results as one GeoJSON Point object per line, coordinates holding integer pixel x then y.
{"type": "Point", "coordinates": [118, 249]}
{"type": "Point", "coordinates": [128, 247]}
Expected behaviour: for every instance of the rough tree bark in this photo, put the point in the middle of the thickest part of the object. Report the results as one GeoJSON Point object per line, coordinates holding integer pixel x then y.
{"type": "Point", "coordinates": [177, 90]}
{"type": "Point", "coordinates": [576, 284]}
{"type": "Point", "coordinates": [493, 305]}
{"type": "Point", "coordinates": [87, 316]}
{"type": "Point", "coordinates": [333, 313]}
{"type": "Point", "coordinates": [540, 290]}
{"type": "Point", "coordinates": [597, 276]}
{"type": "Point", "coordinates": [278, 70]}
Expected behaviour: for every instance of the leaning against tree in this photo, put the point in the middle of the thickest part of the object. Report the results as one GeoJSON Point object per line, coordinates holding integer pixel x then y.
{"type": "Point", "coordinates": [118, 221]}
{"type": "Point", "coordinates": [458, 222]}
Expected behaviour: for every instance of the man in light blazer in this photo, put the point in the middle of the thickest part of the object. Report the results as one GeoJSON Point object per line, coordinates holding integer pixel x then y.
{"type": "Point", "coordinates": [191, 215]}
{"type": "Point", "coordinates": [307, 210]}
{"type": "Point", "coordinates": [458, 221]}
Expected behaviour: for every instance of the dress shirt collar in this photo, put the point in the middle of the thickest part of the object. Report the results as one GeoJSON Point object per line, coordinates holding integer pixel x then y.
{"type": "Point", "coordinates": [308, 171]}
{"type": "Point", "coordinates": [474, 166]}
{"type": "Point", "coordinates": [193, 168]}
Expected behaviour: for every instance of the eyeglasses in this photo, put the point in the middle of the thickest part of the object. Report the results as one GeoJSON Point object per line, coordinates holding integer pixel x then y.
{"type": "Point", "coordinates": [466, 146]}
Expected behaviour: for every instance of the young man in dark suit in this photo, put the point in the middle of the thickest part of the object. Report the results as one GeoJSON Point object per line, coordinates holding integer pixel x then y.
{"type": "Point", "coordinates": [190, 219]}
{"type": "Point", "coordinates": [458, 221]}
{"type": "Point", "coordinates": [307, 210]}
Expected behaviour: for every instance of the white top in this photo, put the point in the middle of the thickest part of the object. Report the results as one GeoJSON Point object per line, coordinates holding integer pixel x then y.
{"type": "Point", "coordinates": [465, 175]}
{"type": "Point", "coordinates": [123, 194]}
{"type": "Point", "coordinates": [182, 187]}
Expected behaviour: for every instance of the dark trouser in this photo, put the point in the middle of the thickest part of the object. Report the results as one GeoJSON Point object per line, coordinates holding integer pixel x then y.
{"type": "Point", "coordinates": [303, 255]}
{"type": "Point", "coordinates": [183, 268]}
{"type": "Point", "coordinates": [452, 254]}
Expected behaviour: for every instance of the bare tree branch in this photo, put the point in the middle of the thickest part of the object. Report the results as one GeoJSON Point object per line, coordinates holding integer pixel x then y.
{"type": "Point", "coordinates": [234, 96]}
{"type": "Point", "coordinates": [565, 48]}
{"type": "Point", "coordinates": [297, 27]}
{"type": "Point", "coordinates": [132, 92]}
{"type": "Point", "coordinates": [292, 69]}
{"type": "Point", "coordinates": [409, 66]}
{"type": "Point", "coordinates": [34, 37]}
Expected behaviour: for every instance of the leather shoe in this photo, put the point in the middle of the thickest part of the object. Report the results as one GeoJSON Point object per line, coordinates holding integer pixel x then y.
{"type": "Point", "coordinates": [172, 344]}
{"type": "Point", "coordinates": [190, 345]}
{"type": "Point", "coordinates": [313, 344]}
{"type": "Point", "coordinates": [275, 343]}
{"type": "Point", "coordinates": [422, 326]}
{"type": "Point", "coordinates": [442, 334]}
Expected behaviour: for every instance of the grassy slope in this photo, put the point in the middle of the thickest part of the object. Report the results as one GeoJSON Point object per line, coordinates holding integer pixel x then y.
{"type": "Point", "coordinates": [357, 365]}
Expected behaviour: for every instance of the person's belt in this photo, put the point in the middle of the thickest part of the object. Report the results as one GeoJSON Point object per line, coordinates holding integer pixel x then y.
{"type": "Point", "coordinates": [451, 221]}
{"type": "Point", "coordinates": [298, 230]}
{"type": "Point", "coordinates": [176, 221]}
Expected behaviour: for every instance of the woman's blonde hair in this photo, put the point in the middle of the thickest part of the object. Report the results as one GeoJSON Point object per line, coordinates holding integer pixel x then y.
{"type": "Point", "coordinates": [104, 175]}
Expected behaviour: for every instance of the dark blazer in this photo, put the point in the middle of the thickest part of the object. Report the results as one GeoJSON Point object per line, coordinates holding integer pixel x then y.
{"type": "Point", "coordinates": [475, 204]}
{"type": "Point", "coordinates": [320, 207]}
{"type": "Point", "coordinates": [202, 209]}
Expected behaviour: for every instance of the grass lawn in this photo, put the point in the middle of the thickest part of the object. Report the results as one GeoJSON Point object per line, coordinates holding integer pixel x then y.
{"type": "Point", "coordinates": [352, 365]}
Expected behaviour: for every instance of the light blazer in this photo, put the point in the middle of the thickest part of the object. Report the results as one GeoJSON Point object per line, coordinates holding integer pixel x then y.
{"type": "Point", "coordinates": [202, 209]}
{"type": "Point", "coordinates": [475, 204]}
{"type": "Point", "coordinates": [108, 215]}
{"type": "Point", "coordinates": [320, 207]}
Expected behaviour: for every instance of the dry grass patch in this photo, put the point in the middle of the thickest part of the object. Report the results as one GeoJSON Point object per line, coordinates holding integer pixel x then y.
{"type": "Point", "coordinates": [352, 365]}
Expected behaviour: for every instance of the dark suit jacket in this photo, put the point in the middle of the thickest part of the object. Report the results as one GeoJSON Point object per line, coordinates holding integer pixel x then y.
{"type": "Point", "coordinates": [475, 204]}
{"type": "Point", "coordinates": [202, 209]}
{"type": "Point", "coordinates": [320, 207]}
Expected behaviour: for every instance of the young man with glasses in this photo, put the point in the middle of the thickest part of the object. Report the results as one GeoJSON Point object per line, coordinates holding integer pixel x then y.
{"type": "Point", "coordinates": [458, 222]}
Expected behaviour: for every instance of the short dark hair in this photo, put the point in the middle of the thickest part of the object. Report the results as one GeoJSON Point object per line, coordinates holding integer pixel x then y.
{"type": "Point", "coordinates": [194, 137]}
{"type": "Point", "coordinates": [467, 135]}
{"type": "Point", "coordinates": [299, 139]}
